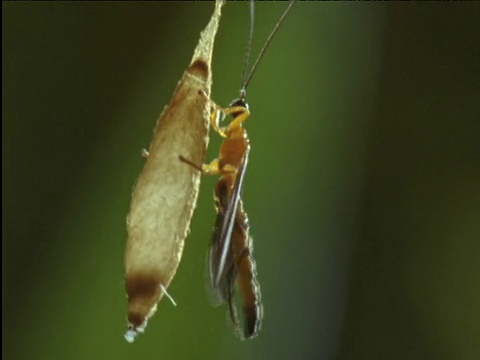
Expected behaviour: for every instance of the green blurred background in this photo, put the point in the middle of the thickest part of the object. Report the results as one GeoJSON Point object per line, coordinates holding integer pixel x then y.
{"type": "Point", "coordinates": [362, 190]}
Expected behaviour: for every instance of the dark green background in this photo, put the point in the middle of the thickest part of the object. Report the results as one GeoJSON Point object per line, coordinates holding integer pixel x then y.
{"type": "Point", "coordinates": [363, 186]}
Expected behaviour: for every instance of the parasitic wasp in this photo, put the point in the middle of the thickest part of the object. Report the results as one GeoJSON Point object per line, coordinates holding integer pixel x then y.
{"type": "Point", "coordinates": [231, 262]}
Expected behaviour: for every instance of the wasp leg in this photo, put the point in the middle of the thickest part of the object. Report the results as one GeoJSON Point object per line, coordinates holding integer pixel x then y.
{"type": "Point", "coordinates": [239, 119]}
{"type": "Point", "coordinates": [216, 118]}
{"type": "Point", "coordinates": [210, 169]}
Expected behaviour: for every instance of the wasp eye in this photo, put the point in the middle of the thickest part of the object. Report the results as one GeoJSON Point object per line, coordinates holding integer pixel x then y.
{"type": "Point", "coordinates": [239, 102]}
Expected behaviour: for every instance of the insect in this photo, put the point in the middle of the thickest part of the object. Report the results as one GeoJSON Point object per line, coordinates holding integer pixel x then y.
{"type": "Point", "coordinates": [231, 260]}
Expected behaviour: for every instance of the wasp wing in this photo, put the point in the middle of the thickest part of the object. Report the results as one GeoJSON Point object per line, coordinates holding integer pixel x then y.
{"type": "Point", "coordinates": [231, 255]}
{"type": "Point", "coordinates": [222, 262]}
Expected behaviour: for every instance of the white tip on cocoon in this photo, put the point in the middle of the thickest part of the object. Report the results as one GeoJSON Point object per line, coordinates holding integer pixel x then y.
{"type": "Point", "coordinates": [130, 335]}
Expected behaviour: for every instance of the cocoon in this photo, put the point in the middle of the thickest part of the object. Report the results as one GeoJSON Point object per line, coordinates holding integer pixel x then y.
{"type": "Point", "coordinates": [165, 194]}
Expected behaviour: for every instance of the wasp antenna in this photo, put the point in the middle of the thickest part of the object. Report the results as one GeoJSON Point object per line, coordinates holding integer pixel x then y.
{"type": "Point", "coordinates": [269, 39]}
{"type": "Point", "coordinates": [248, 50]}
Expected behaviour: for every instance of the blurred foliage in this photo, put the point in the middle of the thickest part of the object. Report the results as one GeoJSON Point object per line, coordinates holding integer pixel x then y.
{"type": "Point", "coordinates": [363, 186]}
